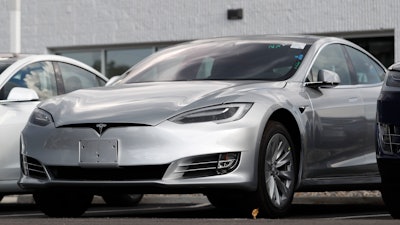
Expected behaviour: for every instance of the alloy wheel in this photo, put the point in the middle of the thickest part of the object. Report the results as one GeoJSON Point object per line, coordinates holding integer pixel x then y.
{"type": "Point", "coordinates": [279, 172]}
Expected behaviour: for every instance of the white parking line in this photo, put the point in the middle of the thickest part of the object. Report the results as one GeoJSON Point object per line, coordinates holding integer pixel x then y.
{"type": "Point", "coordinates": [21, 215]}
{"type": "Point", "coordinates": [361, 216]}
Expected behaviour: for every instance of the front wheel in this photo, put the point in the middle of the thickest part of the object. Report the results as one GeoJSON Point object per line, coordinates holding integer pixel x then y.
{"type": "Point", "coordinates": [63, 204]}
{"type": "Point", "coordinates": [277, 171]}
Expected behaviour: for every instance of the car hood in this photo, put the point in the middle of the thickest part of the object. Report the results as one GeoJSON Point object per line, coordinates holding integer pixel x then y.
{"type": "Point", "coordinates": [145, 103]}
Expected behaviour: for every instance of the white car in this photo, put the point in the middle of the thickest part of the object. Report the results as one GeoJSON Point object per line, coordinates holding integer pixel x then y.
{"type": "Point", "coordinates": [25, 80]}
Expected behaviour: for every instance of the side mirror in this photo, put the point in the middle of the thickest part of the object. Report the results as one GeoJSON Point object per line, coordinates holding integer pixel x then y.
{"type": "Point", "coordinates": [326, 78]}
{"type": "Point", "coordinates": [19, 94]}
{"type": "Point", "coordinates": [112, 80]}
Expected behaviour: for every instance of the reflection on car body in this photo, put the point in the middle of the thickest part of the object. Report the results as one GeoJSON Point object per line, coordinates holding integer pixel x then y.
{"type": "Point", "coordinates": [245, 120]}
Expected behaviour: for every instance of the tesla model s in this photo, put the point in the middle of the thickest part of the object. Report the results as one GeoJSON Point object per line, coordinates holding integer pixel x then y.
{"type": "Point", "coordinates": [247, 121]}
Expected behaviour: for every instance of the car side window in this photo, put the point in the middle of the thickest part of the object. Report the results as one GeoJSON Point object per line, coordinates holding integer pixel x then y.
{"type": "Point", "coordinates": [366, 69]}
{"type": "Point", "coordinates": [331, 58]}
{"type": "Point", "coordinates": [75, 78]}
{"type": "Point", "coordinates": [38, 76]}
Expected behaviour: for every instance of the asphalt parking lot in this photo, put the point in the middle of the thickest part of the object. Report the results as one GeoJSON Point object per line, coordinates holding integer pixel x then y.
{"type": "Point", "coordinates": [340, 197]}
{"type": "Point", "coordinates": [336, 208]}
{"type": "Point", "coordinates": [304, 204]}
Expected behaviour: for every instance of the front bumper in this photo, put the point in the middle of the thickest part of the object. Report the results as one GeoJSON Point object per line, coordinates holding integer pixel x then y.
{"type": "Point", "coordinates": [388, 137]}
{"type": "Point", "coordinates": [228, 183]}
{"type": "Point", "coordinates": [149, 159]}
{"type": "Point", "coordinates": [388, 125]}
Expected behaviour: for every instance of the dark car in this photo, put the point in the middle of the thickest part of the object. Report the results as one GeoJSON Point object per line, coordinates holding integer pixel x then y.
{"type": "Point", "coordinates": [388, 139]}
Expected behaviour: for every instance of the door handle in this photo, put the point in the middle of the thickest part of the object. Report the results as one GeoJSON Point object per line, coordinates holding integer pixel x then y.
{"type": "Point", "coordinates": [353, 99]}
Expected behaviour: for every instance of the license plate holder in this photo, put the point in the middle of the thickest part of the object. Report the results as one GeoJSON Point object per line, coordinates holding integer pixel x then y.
{"type": "Point", "coordinates": [98, 152]}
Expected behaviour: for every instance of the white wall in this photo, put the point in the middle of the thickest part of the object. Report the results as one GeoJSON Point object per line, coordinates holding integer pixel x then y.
{"type": "Point", "coordinates": [65, 23]}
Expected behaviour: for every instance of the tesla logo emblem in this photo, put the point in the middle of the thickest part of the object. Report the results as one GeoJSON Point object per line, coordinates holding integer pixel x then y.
{"type": "Point", "coordinates": [100, 127]}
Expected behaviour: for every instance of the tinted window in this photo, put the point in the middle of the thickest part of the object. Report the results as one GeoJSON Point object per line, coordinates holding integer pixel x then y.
{"type": "Point", "coordinates": [235, 60]}
{"type": "Point", "coordinates": [367, 71]}
{"type": "Point", "coordinates": [331, 58]}
{"type": "Point", "coordinates": [36, 76]}
{"type": "Point", "coordinates": [76, 78]}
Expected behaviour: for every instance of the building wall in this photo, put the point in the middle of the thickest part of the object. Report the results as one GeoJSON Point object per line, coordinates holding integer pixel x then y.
{"type": "Point", "coordinates": [79, 23]}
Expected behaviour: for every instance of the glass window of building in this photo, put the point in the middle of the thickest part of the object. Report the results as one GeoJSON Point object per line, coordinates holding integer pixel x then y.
{"type": "Point", "coordinates": [120, 60]}
{"type": "Point", "coordinates": [381, 48]}
{"type": "Point", "coordinates": [89, 57]}
{"type": "Point", "coordinates": [110, 61]}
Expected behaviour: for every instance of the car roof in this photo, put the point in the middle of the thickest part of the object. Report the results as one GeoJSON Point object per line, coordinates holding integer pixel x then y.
{"type": "Point", "coordinates": [17, 61]}
{"type": "Point", "coordinates": [308, 39]}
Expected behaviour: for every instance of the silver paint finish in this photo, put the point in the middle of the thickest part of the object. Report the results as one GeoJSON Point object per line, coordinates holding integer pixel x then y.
{"type": "Point", "coordinates": [334, 127]}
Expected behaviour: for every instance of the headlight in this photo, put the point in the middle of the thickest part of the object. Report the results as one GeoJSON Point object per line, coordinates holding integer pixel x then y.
{"type": "Point", "coordinates": [393, 79]}
{"type": "Point", "coordinates": [219, 114]}
{"type": "Point", "coordinates": [40, 117]}
{"type": "Point", "coordinates": [389, 138]}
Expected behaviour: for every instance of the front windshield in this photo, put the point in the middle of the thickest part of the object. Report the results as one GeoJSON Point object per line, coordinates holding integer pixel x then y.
{"type": "Point", "coordinates": [223, 60]}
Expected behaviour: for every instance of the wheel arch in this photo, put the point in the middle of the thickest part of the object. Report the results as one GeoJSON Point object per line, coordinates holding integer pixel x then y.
{"type": "Point", "coordinates": [289, 121]}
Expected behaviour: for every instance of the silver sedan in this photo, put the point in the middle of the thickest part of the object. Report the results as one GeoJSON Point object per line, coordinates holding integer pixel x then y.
{"type": "Point", "coordinates": [247, 121]}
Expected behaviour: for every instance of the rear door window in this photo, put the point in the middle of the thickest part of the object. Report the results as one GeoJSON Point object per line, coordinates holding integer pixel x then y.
{"type": "Point", "coordinates": [75, 78]}
{"type": "Point", "coordinates": [367, 70]}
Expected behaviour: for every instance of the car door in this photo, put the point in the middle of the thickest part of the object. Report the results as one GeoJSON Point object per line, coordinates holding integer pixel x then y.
{"type": "Point", "coordinates": [369, 76]}
{"type": "Point", "coordinates": [40, 77]}
{"type": "Point", "coordinates": [338, 124]}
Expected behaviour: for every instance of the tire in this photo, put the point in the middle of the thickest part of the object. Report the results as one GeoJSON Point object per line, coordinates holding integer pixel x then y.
{"type": "Point", "coordinates": [277, 172]}
{"type": "Point", "coordinates": [122, 199]}
{"type": "Point", "coordinates": [63, 204]}
{"type": "Point", "coordinates": [391, 197]}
